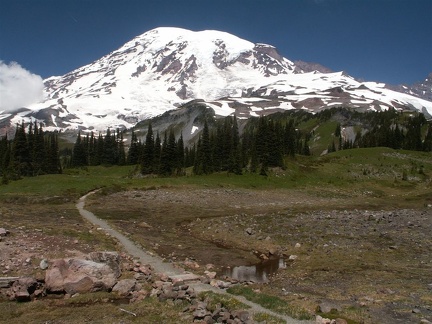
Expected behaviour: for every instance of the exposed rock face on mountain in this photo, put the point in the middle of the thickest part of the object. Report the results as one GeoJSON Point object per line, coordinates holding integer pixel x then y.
{"type": "Point", "coordinates": [419, 89]}
{"type": "Point", "coordinates": [167, 67]}
{"type": "Point", "coordinates": [311, 67]}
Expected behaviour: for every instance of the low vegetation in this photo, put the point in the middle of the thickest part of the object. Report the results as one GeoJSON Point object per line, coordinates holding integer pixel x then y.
{"type": "Point", "coordinates": [270, 302]}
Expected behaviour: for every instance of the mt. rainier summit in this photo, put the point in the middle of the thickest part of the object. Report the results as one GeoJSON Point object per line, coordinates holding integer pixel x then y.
{"type": "Point", "coordinates": [167, 67]}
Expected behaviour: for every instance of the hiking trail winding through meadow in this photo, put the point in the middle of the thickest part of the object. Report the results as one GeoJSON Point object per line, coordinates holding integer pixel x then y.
{"type": "Point", "coordinates": [166, 268]}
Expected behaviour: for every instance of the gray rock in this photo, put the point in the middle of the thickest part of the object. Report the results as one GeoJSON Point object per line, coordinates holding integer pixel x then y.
{"type": "Point", "coordinates": [43, 264]}
{"type": "Point", "coordinates": [242, 315]}
{"type": "Point", "coordinates": [3, 232]}
{"type": "Point", "coordinates": [249, 231]}
{"type": "Point", "coordinates": [201, 311]}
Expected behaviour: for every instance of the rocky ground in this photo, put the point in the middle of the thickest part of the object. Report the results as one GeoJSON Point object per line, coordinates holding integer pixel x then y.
{"type": "Point", "coordinates": [352, 255]}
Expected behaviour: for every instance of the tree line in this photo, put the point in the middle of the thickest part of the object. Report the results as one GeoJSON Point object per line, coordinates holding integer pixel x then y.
{"type": "Point", "coordinates": [92, 150]}
{"type": "Point", "coordinates": [389, 129]}
{"type": "Point", "coordinates": [264, 143]}
{"type": "Point", "coordinates": [32, 152]}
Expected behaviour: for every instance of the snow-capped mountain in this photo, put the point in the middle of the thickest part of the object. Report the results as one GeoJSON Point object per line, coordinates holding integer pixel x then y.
{"type": "Point", "coordinates": [167, 67]}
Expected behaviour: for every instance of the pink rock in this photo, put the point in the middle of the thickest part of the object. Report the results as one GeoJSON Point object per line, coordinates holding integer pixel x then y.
{"type": "Point", "coordinates": [79, 276]}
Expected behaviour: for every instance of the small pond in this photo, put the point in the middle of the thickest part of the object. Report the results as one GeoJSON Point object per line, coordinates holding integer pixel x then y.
{"type": "Point", "coordinates": [259, 273]}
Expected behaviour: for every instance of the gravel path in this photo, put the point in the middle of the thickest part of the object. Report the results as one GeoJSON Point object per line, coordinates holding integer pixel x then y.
{"type": "Point", "coordinates": [167, 268]}
{"type": "Point", "coordinates": [129, 246]}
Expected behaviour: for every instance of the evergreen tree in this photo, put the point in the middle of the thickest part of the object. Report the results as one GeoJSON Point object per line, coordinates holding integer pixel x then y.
{"type": "Point", "coordinates": [427, 143]}
{"type": "Point", "coordinates": [99, 150]}
{"type": "Point", "coordinates": [337, 132]}
{"type": "Point", "coordinates": [38, 148]}
{"type": "Point", "coordinates": [206, 158]}
{"type": "Point", "coordinates": [121, 150]}
{"type": "Point", "coordinates": [203, 158]}
{"type": "Point", "coordinates": [180, 156]}
{"type": "Point", "coordinates": [157, 153]}
{"type": "Point", "coordinates": [110, 151]}
{"type": "Point", "coordinates": [133, 153]}
{"type": "Point", "coordinates": [413, 139]}
{"type": "Point", "coordinates": [4, 156]}
{"type": "Point", "coordinates": [290, 139]}
{"type": "Point", "coordinates": [93, 158]}
{"type": "Point", "coordinates": [148, 156]}
{"type": "Point", "coordinates": [52, 158]}
{"type": "Point", "coordinates": [235, 165]}
{"type": "Point", "coordinates": [168, 160]}
{"type": "Point", "coordinates": [197, 166]}
{"type": "Point", "coordinates": [21, 156]}
{"type": "Point", "coordinates": [79, 158]}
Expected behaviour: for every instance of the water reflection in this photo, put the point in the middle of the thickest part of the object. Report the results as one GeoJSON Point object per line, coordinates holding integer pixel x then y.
{"type": "Point", "coordinates": [259, 273]}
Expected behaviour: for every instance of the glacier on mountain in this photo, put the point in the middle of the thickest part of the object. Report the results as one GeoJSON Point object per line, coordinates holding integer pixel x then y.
{"type": "Point", "coordinates": [167, 67]}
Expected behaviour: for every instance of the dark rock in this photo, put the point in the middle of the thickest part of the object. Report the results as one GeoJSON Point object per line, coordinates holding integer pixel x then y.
{"type": "Point", "coordinates": [23, 288]}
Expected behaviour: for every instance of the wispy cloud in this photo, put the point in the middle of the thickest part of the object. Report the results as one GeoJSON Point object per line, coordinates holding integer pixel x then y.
{"type": "Point", "coordinates": [18, 87]}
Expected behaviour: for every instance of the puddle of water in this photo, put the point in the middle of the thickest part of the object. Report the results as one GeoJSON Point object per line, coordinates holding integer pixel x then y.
{"type": "Point", "coordinates": [259, 273]}
{"type": "Point", "coordinates": [120, 301]}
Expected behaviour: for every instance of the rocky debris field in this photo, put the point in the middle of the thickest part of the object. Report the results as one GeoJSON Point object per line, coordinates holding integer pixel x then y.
{"type": "Point", "coordinates": [119, 274]}
{"type": "Point", "coordinates": [355, 258]}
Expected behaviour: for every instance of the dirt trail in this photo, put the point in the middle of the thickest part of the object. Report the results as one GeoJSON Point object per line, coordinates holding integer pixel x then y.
{"type": "Point", "coordinates": [167, 268]}
{"type": "Point", "coordinates": [129, 246]}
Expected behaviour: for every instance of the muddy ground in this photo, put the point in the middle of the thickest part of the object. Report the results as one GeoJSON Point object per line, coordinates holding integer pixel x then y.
{"type": "Point", "coordinates": [360, 255]}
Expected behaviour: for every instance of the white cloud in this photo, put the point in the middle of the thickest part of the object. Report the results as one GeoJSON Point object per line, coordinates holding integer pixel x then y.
{"type": "Point", "coordinates": [18, 87]}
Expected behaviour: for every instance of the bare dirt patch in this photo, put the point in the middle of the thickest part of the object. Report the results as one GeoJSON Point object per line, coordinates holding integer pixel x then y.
{"type": "Point", "coordinates": [44, 231]}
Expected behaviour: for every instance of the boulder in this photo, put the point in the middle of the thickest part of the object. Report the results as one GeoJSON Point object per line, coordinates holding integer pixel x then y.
{"type": "Point", "coordinates": [23, 288]}
{"type": "Point", "coordinates": [210, 274]}
{"type": "Point", "coordinates": [79, 276]}
{"type": "Point", "coordinates": [126, 286]}
{"type": "Point", "coordinates": [112, 259]}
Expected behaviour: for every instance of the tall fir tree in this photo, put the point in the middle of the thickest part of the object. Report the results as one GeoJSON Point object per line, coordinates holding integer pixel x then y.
{"type": "Point", "coordinates": [235, 161]}
{"type": "Point", "coordinates": [21, 155]}
{"type": "Point", "coordinates": [134, 150]}
{"type": "Point", "coordinates": [148, 155]}
{"type": "Point", "coordinates": [79, 158]}
{"type": "Point", "coordinates": [180, 156]}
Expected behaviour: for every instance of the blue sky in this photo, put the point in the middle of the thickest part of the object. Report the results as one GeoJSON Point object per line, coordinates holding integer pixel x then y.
{"type": "Point", "coordinates": [376, 40]}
